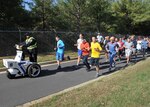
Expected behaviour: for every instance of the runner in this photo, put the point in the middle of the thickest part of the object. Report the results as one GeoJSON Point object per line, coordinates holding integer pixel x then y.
{"type": "Point", "coordinates": [85, 47]}
{"type": "Point", "coordinates": [111, 49]}
{"type": "Point", "coordinates": [59, 51]}
{"type": "Point", "coordinates": [105, 43]}
{"type": "Point", "coordinates": [117, 50]}
{"type": "Point", "coordinates": [79, 41]}
{"type": "Point", "coordinates": [144, 45]}
{"type": "Point", "coordinates": [124, 40]}
{"type": "Point", "coordinates": [95, 55]}
{"type": "Point", "coordinates": [134, 51]}
{"type": "Point", "coordinates": [148, 45]}
{"type": "Point", "coordinates": [121, 48]}
{"type": "Point", "coordinates": [128, 50]}
{"type": "Point", "coordinates": [100, 39]}
{"type": "Point", "coordinates": [138, 47]}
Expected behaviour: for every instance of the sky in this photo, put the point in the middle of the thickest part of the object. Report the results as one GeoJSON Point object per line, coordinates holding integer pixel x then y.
{"type": "Point", "coordinates": [26, 5]}
{"type": "Point", "coordinates": [30, 1]}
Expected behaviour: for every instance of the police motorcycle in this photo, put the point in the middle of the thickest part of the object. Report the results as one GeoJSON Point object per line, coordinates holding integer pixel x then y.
{"type": "Point", "coordinates": [19, 67]}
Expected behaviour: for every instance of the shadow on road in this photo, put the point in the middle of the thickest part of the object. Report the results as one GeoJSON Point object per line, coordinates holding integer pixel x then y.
{"type": "Point", "coordinates": [139, 58]}
{"type": "Point", "coordinates": [64, 69]}
{"type": "Point", "coordinates": [103, 65]}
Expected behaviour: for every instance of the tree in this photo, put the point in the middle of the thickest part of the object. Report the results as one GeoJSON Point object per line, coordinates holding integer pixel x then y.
{"type": "Point", "coordinates": [131, 15]}
{"type": "Point", "coordinates": [43, 12]}
{"type": "Point", "coordinates": [73, 11]}
{"type": "Point", "coordinates": [12, 14]}
{"type": "Point", "coordinates": [141, 17]}
{"type": "Point", "coordinates": [99, 13]}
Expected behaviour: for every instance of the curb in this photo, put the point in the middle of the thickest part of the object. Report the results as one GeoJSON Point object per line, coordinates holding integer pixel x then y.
{"type": "Point", "coordinates": [51, 62]}
{"type": "Point", "coordinates": [2, 69]}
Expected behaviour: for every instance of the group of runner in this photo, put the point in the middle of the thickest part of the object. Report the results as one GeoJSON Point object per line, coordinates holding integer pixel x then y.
{"type": "Point", "coordinates": [113, 47]}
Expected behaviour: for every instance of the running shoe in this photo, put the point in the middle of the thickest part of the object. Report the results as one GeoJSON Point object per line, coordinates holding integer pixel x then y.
{"type": "Point", "coordinates": [68, 57]}
{"type": "Point", "coordinates": [109, 69]}
{"type": "Point", "coordinates": [59, 67]}
{"type": "Point", "coordinates": [126, 65]}
{"type": "Point", "coordinates": [97, 75]}
{"type": "Point", "coordinates": [114, 65]}
{"type": "Point", "coordinates": [87, 70]}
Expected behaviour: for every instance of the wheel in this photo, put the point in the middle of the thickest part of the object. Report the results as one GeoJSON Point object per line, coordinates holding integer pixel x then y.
{"type": "Point", "coordinates": [34, 70]}
{"type": "Point", "coordinates": [10, 76]}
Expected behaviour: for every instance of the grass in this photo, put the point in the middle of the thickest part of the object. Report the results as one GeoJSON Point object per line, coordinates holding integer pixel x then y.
{"type": "Point", "coordinates": [42, 57]}
{"type": "Point", "coordinates": [127, 88]}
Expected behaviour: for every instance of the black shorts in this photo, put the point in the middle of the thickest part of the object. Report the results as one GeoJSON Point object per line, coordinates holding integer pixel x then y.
{"type": "Point", "coordinates": [94, 61]}
{"type": "Point", "coordinates": [120, 52]}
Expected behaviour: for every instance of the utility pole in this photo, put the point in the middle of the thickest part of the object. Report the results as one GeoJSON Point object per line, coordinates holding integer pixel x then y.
{"type": "Point", "coordinates": [43, 17]}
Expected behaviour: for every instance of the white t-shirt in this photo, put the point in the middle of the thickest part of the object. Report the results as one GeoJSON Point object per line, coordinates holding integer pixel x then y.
{"type": "Point", "coordinates": [79, 41]}
{"type": "Point", "coordinates": [100, 38]}
{"type": "Point", "coordinates": [138, 47]}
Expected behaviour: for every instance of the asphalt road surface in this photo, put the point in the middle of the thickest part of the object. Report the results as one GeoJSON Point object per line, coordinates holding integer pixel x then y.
{"type": "Point", "coordinates": [22, 90]}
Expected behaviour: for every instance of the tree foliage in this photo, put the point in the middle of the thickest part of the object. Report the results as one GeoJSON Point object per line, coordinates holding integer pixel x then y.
{"type": "Point", "coordinates": [130, 14]}
{"type": "Point", "coordinates": [13, 14]}
{"type": "Point", "coordinates": [107, 16]}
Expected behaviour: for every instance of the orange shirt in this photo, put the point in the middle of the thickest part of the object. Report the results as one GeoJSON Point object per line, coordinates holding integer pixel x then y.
{"type": "Point", "coordinates": [85, 47]}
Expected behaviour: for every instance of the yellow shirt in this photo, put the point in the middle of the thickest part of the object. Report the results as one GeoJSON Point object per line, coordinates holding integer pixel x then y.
{"type": "Point", "coordinates": [94, 53]}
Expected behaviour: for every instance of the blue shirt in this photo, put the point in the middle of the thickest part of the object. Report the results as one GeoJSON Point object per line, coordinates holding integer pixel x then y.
{"type": "Point", "coordinates": [124, 41]}
{"type": "Point", "coordinates": [60, 46]}
{"type": "Point", "coordinates": [134, 43]}
{"type": "Point", "coordinates": [111, 47]}
{"type": "Point", "coordinates": [144, 44]}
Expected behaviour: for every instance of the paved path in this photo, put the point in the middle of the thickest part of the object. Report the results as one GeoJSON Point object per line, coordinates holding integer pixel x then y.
{"type": "Point", "coordinates": [22, 90]}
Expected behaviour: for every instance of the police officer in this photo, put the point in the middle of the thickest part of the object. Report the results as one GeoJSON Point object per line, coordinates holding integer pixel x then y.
{"type": "Point", "coordinates": [31, 45]}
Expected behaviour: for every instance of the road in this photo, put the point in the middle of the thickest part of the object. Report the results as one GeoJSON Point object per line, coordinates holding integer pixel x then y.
{"type": "Point", "coordinates": [22, 90]}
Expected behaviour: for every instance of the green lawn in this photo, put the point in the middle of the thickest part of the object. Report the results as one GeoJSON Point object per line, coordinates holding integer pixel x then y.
{"type": "Point", "coordinates": [42, 57]}
{"type": "Point", "coordinates": [128, 88]}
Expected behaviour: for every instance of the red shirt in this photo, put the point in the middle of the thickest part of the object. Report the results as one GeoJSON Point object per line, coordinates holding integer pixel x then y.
{"type": "Point", "coordinates": [121, 45]}
{"type": "Point", "coordinates": [85, 47]}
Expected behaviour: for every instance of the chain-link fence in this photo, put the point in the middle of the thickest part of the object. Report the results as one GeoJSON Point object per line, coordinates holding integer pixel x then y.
{"type": "Point", "coordinates": [45, 39]}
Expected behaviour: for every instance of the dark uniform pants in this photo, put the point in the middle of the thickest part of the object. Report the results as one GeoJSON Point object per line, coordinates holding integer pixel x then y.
{"type": "Point", "coordinates": [33, 55]}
